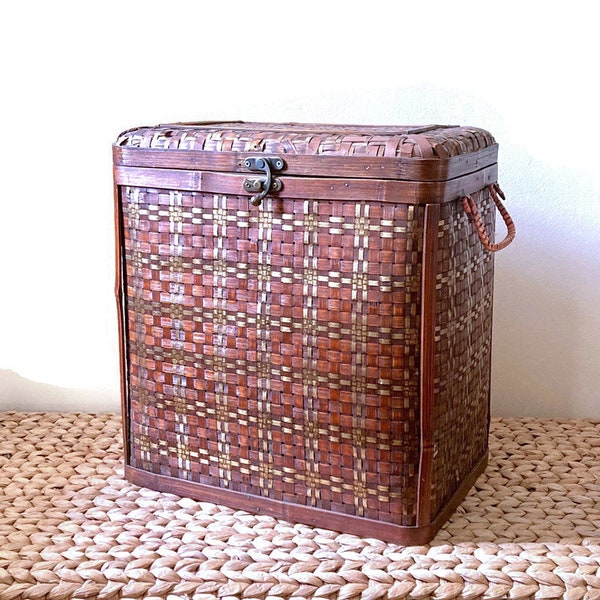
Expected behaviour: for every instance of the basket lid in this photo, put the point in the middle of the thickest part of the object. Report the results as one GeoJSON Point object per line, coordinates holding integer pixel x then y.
{"type": "Point", "coordinates": [394, 141]}
{"type": "Point", "coordinates": [330, 158]}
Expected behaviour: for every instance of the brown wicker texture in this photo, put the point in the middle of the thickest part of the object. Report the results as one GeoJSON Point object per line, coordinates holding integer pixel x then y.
{"type": "Point", "coordinates": [291, 138]}
{"type": "Point", "coordinates": [283, 361]}
{"type": "Point", "coordinates": [327, 351]}
{"type": "Point", "coordinates": [463, 334]}
{"type": "Point", "coordinates": [72, 528]}
{"type": "Point", "coordinates": [275, 351]}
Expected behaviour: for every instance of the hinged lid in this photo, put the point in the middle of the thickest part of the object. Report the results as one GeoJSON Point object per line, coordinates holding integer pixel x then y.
{"type": "Point", "coordinates": [390, 154]}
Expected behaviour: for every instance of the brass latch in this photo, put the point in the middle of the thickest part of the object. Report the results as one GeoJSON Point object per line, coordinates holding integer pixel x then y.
{"type": "Point", "coordinates": [262, 186]}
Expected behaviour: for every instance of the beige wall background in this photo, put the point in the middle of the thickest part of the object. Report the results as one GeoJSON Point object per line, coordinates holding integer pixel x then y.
{"type": "Point", "coordinates": [75, 74]}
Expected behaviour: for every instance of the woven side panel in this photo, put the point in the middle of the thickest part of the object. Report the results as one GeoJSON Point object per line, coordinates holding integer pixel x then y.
{"type": "Point", "coordinates": [463, 345]}
{"type": "Point", "coordinates": [274, 351]}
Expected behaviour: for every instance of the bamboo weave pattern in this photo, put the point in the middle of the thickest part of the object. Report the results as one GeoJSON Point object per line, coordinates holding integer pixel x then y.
{"type": "Point", "coordinates": [329, 352]}
{"type": "Point", "coordinates": [463, 333]}
{"type": "Point", "coordinates": [275, 352]}
{"type": "Point", "coordinates": [317, 139]}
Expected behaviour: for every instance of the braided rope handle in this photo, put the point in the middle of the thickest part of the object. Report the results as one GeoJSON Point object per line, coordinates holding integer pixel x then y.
{"type": "Point", "coordinates": [471, 209]}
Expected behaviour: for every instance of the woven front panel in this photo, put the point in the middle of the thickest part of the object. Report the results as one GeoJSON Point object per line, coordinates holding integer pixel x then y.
{"type": "Point", "coordinates": [275, 350]}
{"type": "Point", "coordinates": [463, 329]}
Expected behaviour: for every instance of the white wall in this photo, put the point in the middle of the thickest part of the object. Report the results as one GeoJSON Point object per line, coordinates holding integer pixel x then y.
{"type": "Point", "coordinates": [74, 74]}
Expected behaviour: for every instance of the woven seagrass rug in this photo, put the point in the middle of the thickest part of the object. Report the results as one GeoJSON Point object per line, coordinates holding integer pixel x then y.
{"type": "Point", "coordinates": [71, 527]}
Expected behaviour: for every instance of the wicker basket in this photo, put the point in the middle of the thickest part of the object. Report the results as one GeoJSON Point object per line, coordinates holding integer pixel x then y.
{"type": "Point", "coordinates": [305, 316]}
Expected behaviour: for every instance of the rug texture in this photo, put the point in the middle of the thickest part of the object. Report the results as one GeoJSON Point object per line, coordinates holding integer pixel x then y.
{"type": "Point", "coordinates": [71, 527]}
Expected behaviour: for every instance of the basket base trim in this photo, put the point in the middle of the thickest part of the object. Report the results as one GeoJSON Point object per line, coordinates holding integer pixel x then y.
{"type": "Point", "coordinates": [389, 532]}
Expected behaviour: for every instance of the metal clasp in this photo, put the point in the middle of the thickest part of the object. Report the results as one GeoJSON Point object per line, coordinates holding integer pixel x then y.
{"type": "Point", "coordinates": [263, 185]}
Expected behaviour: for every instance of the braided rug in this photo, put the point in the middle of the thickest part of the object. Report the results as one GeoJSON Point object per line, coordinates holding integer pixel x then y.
{"type": "Point", "coordinates": [71, 527]}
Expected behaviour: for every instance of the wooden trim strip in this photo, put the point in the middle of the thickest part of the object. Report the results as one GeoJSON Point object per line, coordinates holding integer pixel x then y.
{"type": "Point", "coordinates": [428, 283]}
{"type": "Point", "coordinates": [368, 167]}
{"type": "Point", "coordinates": [121, 316]}
{"type": "Point", "coordinates": [330, 188]}
{"type": "Point", "coordinates": [315, 517]}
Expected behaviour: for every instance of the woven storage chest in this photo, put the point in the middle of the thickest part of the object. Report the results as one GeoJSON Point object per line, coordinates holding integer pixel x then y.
{"type": "Point", "coordinates": [305, 316]}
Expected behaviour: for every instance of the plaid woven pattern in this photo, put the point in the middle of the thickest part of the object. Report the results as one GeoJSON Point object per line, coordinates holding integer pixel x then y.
{"type": "Point", "coordinates": [275, 351]}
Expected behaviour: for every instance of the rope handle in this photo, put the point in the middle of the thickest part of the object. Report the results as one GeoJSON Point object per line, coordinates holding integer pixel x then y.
{"type": "Point", "coordinates": [471, 209]}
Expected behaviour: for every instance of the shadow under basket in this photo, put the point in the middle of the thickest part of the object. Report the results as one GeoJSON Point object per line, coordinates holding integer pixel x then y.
{"type": "Point", "coordinates": [305, 317]}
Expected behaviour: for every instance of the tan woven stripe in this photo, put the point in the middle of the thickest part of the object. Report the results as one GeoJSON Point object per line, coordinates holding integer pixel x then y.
{"type": "Point", "coordinates": [220, 232]}
{"type": "Point", "coordinates": [310, 385]}
{"type": "Point", "coordinates": [264, 219]}
{"type": "Point", "coordinates": [360, 270]}
{"type": "Point", "coordinates": [174, 311]}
